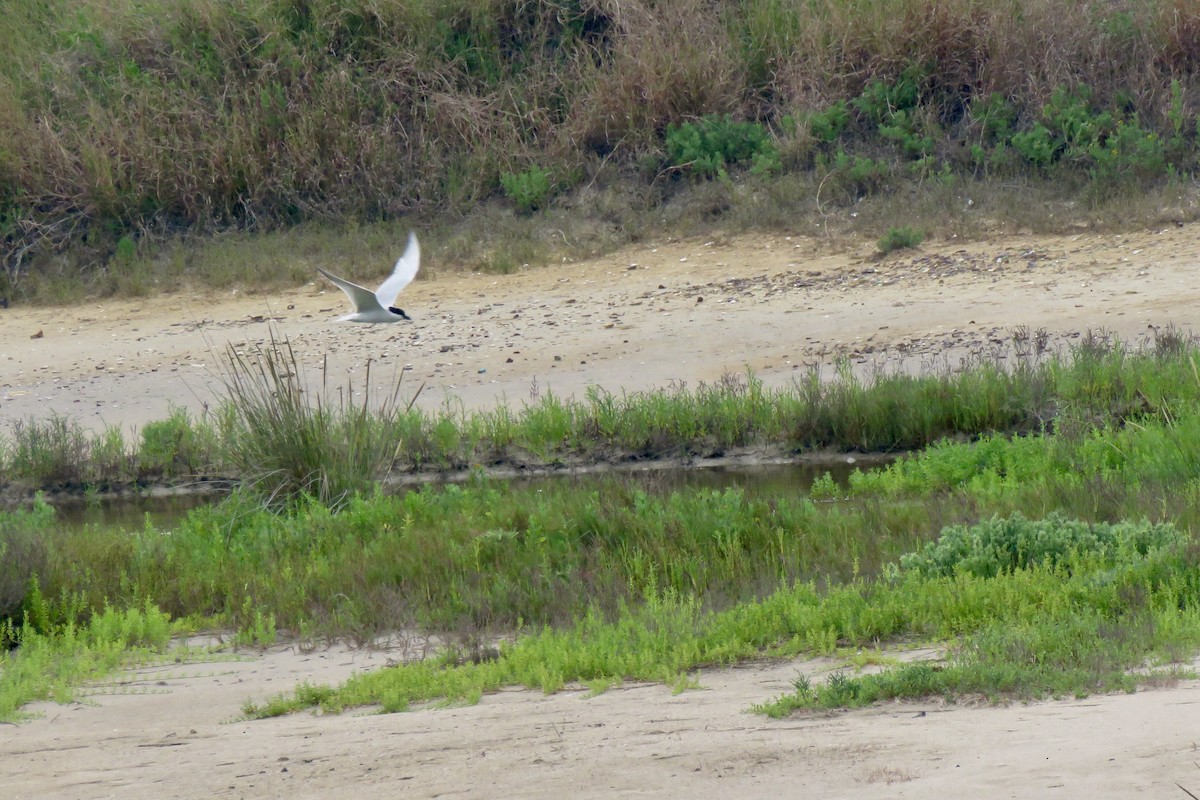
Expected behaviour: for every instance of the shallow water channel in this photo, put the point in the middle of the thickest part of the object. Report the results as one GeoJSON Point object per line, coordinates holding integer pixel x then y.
{"type": "Point", "coordinates": [164, 512]}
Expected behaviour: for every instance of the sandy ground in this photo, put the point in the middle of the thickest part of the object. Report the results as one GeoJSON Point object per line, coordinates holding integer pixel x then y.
{"type": "Point", "coordinates": [176, 732]}
{"type": "Point", "coordinates": [672, 311]}
{"type": "Point", "coordinates": [669, 311]}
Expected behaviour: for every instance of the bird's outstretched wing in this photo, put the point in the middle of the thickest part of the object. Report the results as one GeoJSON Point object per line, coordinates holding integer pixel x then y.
{"type": "Point", "coordinates": [362, 299]}
{"type": "Point", "coordinates": [402, 274]}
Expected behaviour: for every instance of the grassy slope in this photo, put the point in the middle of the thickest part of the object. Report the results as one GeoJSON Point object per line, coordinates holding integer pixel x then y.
{"type": "Point", "coordinates": [123, 124]}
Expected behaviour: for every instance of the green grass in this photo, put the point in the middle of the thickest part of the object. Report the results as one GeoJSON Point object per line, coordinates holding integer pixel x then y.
{"type": "Point", "coordinates": [1075, 627]}
{"type": "Point", "coordinates": [286, 443]}
{"type": "Point", "coordinates": [481, 557]}
{"type": "Point", "coordinates": [1076, 614]}
{"type": "Point", "coordinates": [1060, 560]}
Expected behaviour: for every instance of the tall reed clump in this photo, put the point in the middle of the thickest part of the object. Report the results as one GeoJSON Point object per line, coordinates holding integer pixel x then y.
{"type": "Point", "coordinates": [287, 443]}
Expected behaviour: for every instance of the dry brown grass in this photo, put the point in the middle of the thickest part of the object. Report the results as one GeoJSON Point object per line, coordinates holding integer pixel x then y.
{"type": "Point", "coordinates": [125, 122]}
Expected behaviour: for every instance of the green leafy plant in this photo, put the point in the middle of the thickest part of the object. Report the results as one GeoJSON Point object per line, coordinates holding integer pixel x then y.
{"type": "Point", "coordinates": [528, 190]}
{"type": "Point", "coordinates": [47, 451]}
{"type": "Point", "coordinates": [900, 238]}
{"type": "Point", "coordinates": [1129, 153]}
{"type": "Point", "coordinates": [829, 124]}
{"type": "Point", "coordinates": [825, 488]}
{"type": "Point", "coordinates": [707, 146]}
{"type": "Point", "coordinates": [1037, 145]}
{"type": "Point", "coordinates": [1075, 125]}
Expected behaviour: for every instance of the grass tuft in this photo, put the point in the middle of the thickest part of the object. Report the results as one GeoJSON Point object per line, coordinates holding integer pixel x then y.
{"type": "Point", "coordinates": [291, 445]}
{"type": "Point", "coordinates": [900, 238]}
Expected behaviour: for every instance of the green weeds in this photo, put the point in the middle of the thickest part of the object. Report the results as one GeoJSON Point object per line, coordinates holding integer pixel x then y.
{"type": "Point", "coordinates": [611, 582]}
{"type": "Point", "coordinates": [48, 451]}
{"type": "Point", "coordinates": [59, 453]}
{"type": "Point", "coordinates": [480, 557]}
{"type": "Point", "coordinates": [51, 664]}
{"type": "Point", "coordinates": [288, 442]}
{"type": "Point", "coordinates": [1056, 561]}
{"type": "Point", "coordinates": [24, 554]}
{"type": "Point", "coordinates": [1029, 632]}
{"type": "Point", "coordinates": [900, 238]}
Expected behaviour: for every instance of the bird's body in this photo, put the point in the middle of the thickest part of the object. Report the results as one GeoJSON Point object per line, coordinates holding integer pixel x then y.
{"type": "Point", "coordinates": [376, 306]}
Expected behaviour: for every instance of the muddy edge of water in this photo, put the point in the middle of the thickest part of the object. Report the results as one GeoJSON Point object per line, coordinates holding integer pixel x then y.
{"type": "Point", "coordinates": [732, 468]}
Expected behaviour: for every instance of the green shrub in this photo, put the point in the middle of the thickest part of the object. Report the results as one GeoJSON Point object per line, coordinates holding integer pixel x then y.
{"type": "Point", "coordinates": [48, 451]}
{"type": "Point", "coordinates": [995, 116]}
{"type": "Point", "coordinates": [905, 129]}
{"type": "Point", "coordinates": [900, 238]}
{"type": "Point", "coordinates": [708, 146]}
{"type": "Point", "coordinates": [829, 124]}
{"type": "Point", "coordinates": [528, 190]}
{"type": "Point", "coordinates": [1075, 125]}
{"type": "Point", "coordinates": [1037, 145]}
{"type": "Point", "coordinates": [1001, 545]}
{"type": "Point", "coordinates": [1129, 153]}
{"type": "Point", "coordinates": [880, 100]}
{"type": "Point", "coordinates": [173, 446]}
{"type": "Point", "coordinates": [825, 488]}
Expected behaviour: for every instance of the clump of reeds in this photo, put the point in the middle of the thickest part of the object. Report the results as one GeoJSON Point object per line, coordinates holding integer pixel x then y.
{"type": "Point", "coordinates": [287, 442]}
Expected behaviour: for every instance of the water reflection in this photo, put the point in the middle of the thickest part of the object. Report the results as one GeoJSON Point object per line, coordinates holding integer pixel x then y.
{"type": "Point", "coordinates": [753, 479]}
{"type": "Point", "coordinates": [131, 512]}
{"type": "Point", "coordinates": [164, 512]}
